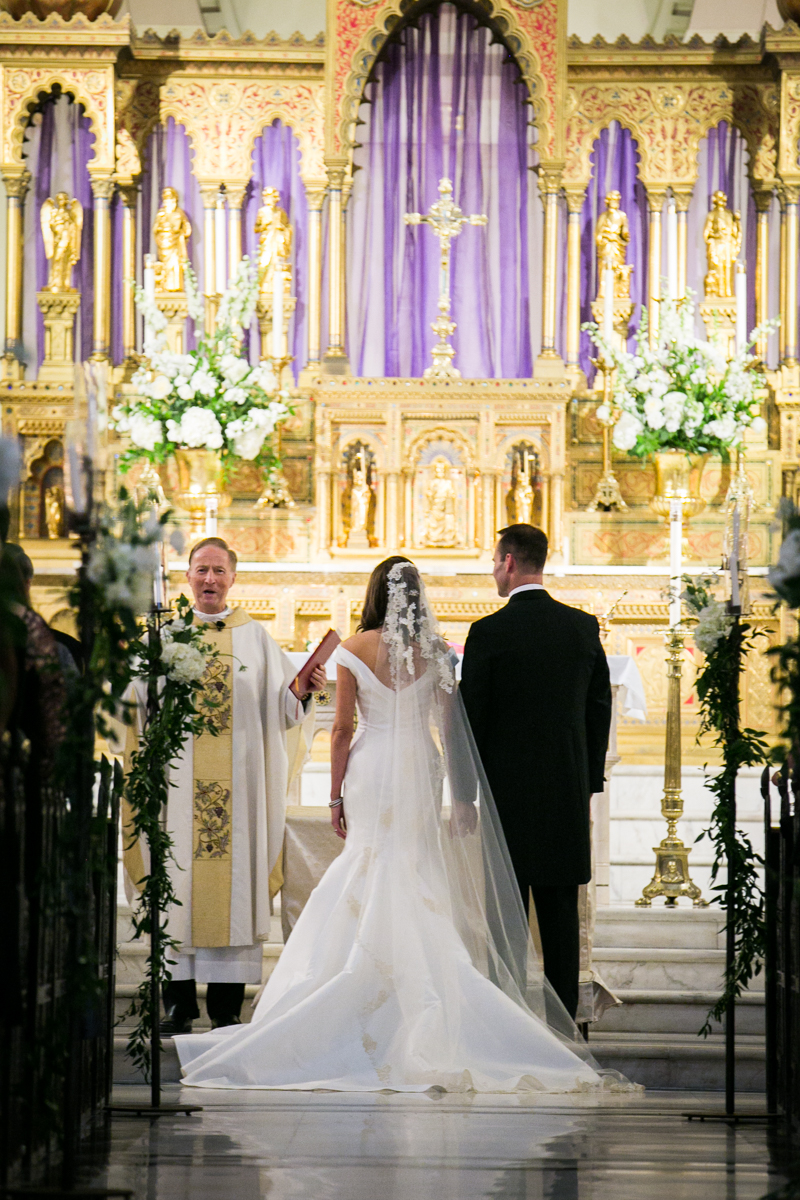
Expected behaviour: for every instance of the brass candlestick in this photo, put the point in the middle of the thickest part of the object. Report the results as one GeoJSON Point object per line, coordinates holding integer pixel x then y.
{"type": "Point", "coordinates": [671, 878]}
{"type": "Point", "coordinates": [607, 495]}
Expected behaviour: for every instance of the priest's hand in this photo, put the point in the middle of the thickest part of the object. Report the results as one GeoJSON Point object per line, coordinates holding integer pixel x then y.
{"type": "Point", "coordinates": [318, 679]}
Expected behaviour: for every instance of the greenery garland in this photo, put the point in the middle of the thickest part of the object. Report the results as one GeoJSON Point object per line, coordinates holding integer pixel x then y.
{"type": "Point", "coordinates": [726, 640]}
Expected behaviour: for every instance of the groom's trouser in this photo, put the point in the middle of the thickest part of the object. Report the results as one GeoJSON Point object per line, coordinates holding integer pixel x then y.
{"type": "Point", "coordinates": [223, 1000]}
{"type": "Point", "coordinates": [559, 931]}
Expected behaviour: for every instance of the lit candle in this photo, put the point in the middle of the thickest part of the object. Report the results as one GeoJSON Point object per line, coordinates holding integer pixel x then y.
{"type": "Point", "coordinates": [608, 305]}
{"type": "Point", "coordinates": [741, 306]}
{"type": "Point", "coordinates": [220, 244]}
{"type": "Point", "coordinates": [733, 559]}
{"type": "Point", "coordinates": [675, 549]}
{"type": "Point", "coordinates": [277, 313]}
{"type": "Point", "coordinates": [672, 250]}
{"type": "Point", "coordinates": [150, 276]}
{"type": "Point", "coordinates": [212, 508]}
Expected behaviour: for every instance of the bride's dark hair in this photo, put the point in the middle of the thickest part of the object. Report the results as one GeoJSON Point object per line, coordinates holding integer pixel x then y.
{"type": "Point", "coordinates": [373, 614]}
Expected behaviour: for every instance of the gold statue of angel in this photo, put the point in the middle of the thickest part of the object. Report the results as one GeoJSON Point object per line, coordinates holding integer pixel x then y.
{"type": "Point", "coordinates": [62, 225]}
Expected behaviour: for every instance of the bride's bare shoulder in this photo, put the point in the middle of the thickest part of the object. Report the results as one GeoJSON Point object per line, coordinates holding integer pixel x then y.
{"type": "Point", "coordinates": [365, 646]}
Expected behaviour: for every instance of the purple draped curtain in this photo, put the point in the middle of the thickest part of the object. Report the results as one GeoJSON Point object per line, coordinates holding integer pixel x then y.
{"type": "Point", "coordinates": [168, 163]}
{"type": "Point", "coordinates": [444, 101]}
{"type": "Point", "coordinates": [117, 279]}
{"type": "Point", "coordinates": [58, 145]}
{"type": "Point", "coordinates": [722, 166]}
{"type": "Point", "coordinates": [614, 169]}
{"type": "Point", "coordinates": [276, 163]}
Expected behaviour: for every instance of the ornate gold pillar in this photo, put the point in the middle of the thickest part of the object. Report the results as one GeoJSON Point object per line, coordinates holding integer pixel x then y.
{"type": "Point", "coordinates": [549, 186]}
{"type": "Point", "coordinates": [209, 193]}
{"type": "Point", "coordinates": [335, 358]}
{"type": "Point", "coordinates": [655, 203]}
{"type": "Point", "coordinates": [16, 187]}
{"type": "Point", "coordinates": [763, 203]}
{"type": "Point", "coordinates": [129, 193]}
{"type": "Point", "coordinates": [556, 534]}
{"type": "Point", "coordinates": [235, 201]}
{"type": "Point", "coordinates": [315, 197]}
{"type": "Point", "coordinates": [102, 190]}
{"type": "Point", "coordinates": [789, 315]}
{"type": "Point", "coordinates": [575, 199]}
{"type": "Point", "coordinates": [393, 479]}
{"type": "Point", "coordinates": [782, 278]}
{"type": "Point", "coordinates": [682, 199]}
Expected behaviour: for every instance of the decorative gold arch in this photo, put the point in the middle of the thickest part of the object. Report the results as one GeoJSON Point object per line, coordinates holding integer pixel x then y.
{"type": "Point", "coordinates": [93, 87]}
{"type": "Point", "coordinates": [530, 27]}
{"type": "Point", "coordinates": [440, 433]}
{"type": "Point", "coordinates": [668, 122]}
{"type": "Point", "coordinates": [223, 118]}
{"type": "Point", "coordinates": [368, 438]}
{"type": "Point", "coordinates": [534, 435]}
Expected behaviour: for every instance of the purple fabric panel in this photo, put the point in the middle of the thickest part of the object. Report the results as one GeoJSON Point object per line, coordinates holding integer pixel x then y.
{"type": "Point", "coordinates": [512, 185]}
{"type": "Point", "coordinates": [117, 279]}
{"type": "Point", "coordinates": [616, 171]}
{"type": "Point", "coordinates": [42, 184]}
{"type": "Point", "coordinates": [83, 275]}
{"type": "Point", "coordinates": [727, 157]}
{"type": "Point", "coordinates": [276, 163]}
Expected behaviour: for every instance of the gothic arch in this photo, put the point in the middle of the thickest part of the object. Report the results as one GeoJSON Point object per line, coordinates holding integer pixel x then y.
{"type": "Point", "coordinates": [366, 438]}
{"type": "Point", "coordinates": [440, 433]}
{"type": "Point", "coordinates": [498, 15]}
{"type": "Point", "coordinates": [25, 87]}
{"type": "Point", "coordinates": [534, 435]}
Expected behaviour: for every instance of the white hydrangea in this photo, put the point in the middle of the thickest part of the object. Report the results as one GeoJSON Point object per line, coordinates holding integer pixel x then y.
{"type": "Point", "coordinates": [145, 431]}
{"type": "Point", "coordinates": [183, 661]}
{"type": "Point", "coordinates": [119, 419]}
{"type": "Point", "coordinates": [264, 377]}
{"type": "Point", "coordinates": [674, 403]}
{"type": "Point", "coordinates": [626, 431]}
{"type": "Point", "coordinates": [247, 433]}
{"type": "Point", "coordinates": [714, 623]}
{"type": "Point", "coordinates": [204, 382]}
{"type": "Point", "coordinates": [236, 395]}
{"type": "Point", "coordinates": [725, 428]}
{"type": "Point", "coordinates": [653, 411]}
{"type": "Point", "coordinates": [234, 368]}
{"type": "Point", "coordinates": [124, 572]}
{"type": "Point", "coordinates": [197, 427]}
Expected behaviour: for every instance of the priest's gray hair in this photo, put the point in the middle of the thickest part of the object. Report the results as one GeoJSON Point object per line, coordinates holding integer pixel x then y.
{"type": "Point", "coordinates": [220, 543]}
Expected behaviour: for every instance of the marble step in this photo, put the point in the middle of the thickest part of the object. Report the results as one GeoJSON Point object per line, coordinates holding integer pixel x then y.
{"type": "Point", "coordinates": [671, 1012]}
{"type": "Point", "coordinates": [661, 970]}
{"type": "Point", "coordinates": [680, 928]}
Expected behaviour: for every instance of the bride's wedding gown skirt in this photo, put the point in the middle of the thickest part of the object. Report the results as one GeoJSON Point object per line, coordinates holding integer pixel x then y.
{"type": "Point", "coordinates": [375, 988]}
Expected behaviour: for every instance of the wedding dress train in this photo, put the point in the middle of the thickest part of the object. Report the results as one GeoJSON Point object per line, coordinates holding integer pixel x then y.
{"type": "Point", "coordinates": [404, 970]}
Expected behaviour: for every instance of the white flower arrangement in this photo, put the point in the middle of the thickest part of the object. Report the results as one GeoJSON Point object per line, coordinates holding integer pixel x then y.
{"type": "Point", "coordinates": [681, 394]}
{"type": "Point", "coordinates": [123, 562]}
{"type": "Point", "coordinates": [184, 661]}
{"type": "Point", "coordinates": [210, 398]}
{"type": "Point", "coordinates": [714, 623]}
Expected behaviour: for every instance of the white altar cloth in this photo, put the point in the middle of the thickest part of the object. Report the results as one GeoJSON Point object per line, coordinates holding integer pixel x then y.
{"type": "Point", "coordinates": [625, 674]}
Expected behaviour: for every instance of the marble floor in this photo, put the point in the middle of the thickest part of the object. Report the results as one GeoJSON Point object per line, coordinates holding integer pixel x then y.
{"type": "Point", "coordinates": [328, 1146]}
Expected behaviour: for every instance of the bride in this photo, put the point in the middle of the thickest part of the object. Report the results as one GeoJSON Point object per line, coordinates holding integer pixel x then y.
{"type": "Point", "coordinates": [411, 966]}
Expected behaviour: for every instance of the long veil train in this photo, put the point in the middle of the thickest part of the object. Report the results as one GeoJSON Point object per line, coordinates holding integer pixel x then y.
{"type": "Point", "coordinates": [412, 964]}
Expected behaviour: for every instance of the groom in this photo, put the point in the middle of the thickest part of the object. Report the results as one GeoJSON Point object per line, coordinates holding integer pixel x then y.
{"type": "Point", "coordinates": [536, 688]}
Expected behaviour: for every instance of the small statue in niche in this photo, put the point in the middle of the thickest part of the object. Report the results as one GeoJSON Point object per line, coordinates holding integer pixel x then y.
{"type": "Point", "coordinates": [171, 230]}
{"type": "Point", "coordinates": [440, 506]}
{"type": "Point", "coordinates": [611, 239]}
{"type": "Point", "coordinates": [358, 507]}
{"type": "Point", "coordinates": [54, 511]}
{"type": "Point", "coordinates": [522, 496]}
{"type": "Point", "coordinates": [722, 234]}
{"type": "Point", "coordinates": [62, 226]}
{"type": "Point", "coordinates": [274, 242]}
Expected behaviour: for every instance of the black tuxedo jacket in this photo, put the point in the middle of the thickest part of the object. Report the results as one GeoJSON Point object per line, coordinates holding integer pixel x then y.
{"type": "Point", "coordinates": [536, 688]}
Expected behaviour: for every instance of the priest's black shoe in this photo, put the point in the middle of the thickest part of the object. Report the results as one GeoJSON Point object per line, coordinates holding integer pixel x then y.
{"type": "Point", "coordinates": [175, 1022]}
{"type": "Point", "coordinates": [228, 1019]}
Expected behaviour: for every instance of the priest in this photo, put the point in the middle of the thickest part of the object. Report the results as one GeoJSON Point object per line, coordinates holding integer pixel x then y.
{"type": "Point", "coordinates": [227, 801]}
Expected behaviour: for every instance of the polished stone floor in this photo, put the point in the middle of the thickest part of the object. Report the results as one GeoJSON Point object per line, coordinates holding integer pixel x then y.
{"type": "Point", "coordinates": [327, 1146]}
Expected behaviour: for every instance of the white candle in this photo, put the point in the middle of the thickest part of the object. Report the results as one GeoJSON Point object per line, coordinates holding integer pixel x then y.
{"type": "Point", "coordinates": [675, 551]}
{"type": "Point", "coordinates": [149, 276]}
{"type": "Point", "coordinates": [608, 305]}
{"type": "Point", "coordinates": [672, 250]}
{"type": "Point", "coordinates": [741, 306]}
{"type": "Point", "coordinates": [220, 244]}
{"type": "Point", "coordinates": [77, 483]}
{"type": "Point", "coordinates": [733, 560]}
{"type": "Point", "coordinates": [277, 314]}
{"type": "Point", "coordinates": [212, 508]}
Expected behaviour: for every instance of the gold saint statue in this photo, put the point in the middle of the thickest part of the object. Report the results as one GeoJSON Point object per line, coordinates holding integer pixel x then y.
{"type": "Point", "coordinates": [274, 242]}
{"type": "Point", "coordinates": [360, 496]}
{"type": "Point", "coordinates": [611, 239]}
{"type": "Point", "coordinates": [62, 224]}
{"type": "Point", "coordinates": [54, 511]}
{"type": "Point", "coordinates": [440, 515]}
{"type": "Point", "coordinates": [722, 234]}
{"type": "Point", "coordinates": [522, 492]}
{"type": "Point", "coordinates": [171, 231]}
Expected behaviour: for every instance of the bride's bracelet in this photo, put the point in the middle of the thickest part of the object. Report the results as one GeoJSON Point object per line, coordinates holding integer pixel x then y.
{"type": "Point", "coordinates": [333, 803]}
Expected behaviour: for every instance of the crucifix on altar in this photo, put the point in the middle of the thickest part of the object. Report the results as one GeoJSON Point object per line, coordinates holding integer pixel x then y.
{"type": "Point", "coordinates": [446, 220]}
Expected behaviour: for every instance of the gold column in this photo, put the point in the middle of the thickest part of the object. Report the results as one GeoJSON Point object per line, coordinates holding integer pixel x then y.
{"type": "Point", "coordinates": [557, 512]}
{"type": "Point", "coordinates": [550, 186]}
{"type": "Point", "coordinates": [235, 201]}
{"type": "Point", "coordinates": [392, 503]}
{"type": "Point", "coordinates": [335, 358]}
{"type": "Point", "coordinates": [763, 203]}
{"type": "Point", "coordinates": [782, 279]}
{"type": "Point", "coordinates": [682, 200]}
{"type": "Point", "coordinates": [209, 193]}
{"type": "Point", "coordinates": [16, 187]}
{"type": "Point", "coordinates": [102, 190]}
{"type": "Point", "coordinates": [655, 201]}
{"type": "Point", "coordinates": [316, 197]}
{"type": "Point", "coordinates": [129, 193]}
{"type": "Point", "coordinates": [789, 314]}
{"type": "Point", "coordinates": [575, 199]}
{"type": "Point", "coordinates": [346, 190]}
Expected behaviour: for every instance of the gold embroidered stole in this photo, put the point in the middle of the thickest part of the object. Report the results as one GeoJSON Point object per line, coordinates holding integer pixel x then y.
{"type": "Point", "coordinates": [212, 808]}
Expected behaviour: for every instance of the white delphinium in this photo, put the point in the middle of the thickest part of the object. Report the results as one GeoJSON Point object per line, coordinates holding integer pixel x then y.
{"type": "Point", "coordinates": [197, 427]}
{"type": "Point", "coordinates": [145, 431]}
{"type": "Point", "coordinates": [714, 623]}
{"type": "Point", "coordinates": [194, 301]}
{"type": "Point", "coordinates": [238, 305]}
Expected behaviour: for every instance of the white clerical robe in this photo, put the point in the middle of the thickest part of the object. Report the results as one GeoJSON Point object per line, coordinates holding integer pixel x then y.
{"type": "Point", "coordinates": [227, 804]}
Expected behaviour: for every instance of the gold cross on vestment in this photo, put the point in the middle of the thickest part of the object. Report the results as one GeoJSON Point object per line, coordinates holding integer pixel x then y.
{"type": "Point", "coordinates": [446, 220]}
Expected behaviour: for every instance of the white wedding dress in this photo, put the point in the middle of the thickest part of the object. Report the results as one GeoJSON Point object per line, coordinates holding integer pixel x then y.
{"type": "Point", "coordinates": [401, 973]}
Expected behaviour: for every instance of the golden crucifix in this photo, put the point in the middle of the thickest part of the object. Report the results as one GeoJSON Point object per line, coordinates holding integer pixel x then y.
{"type": "Point", "coordinates": [445, 219]}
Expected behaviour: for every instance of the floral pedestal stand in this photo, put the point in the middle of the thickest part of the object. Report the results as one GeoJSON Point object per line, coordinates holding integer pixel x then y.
{"type": "Point", "coordinates": [678, 476]}
{"type": "Point", "coordinates": [200, 491]}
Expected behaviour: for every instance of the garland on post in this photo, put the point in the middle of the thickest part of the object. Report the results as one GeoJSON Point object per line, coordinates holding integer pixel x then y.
{"type": "Point", "coordinates": [725, 640]}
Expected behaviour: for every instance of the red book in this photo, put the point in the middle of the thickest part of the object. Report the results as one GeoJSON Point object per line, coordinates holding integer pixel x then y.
{"type": "Point", "coordinates": [317, 658]}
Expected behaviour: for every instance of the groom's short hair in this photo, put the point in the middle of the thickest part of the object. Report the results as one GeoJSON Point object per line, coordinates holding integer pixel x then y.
{"type": "Point", "coordinates": [527, 544]}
